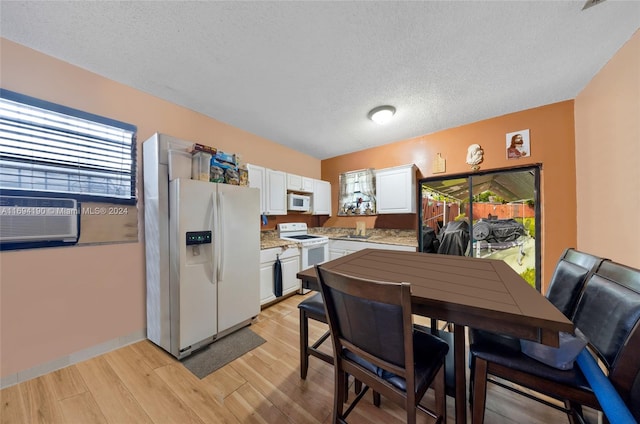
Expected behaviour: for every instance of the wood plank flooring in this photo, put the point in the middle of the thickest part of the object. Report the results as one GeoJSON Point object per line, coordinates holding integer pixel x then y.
{"type": "Point", "coordinates": [141, 383]}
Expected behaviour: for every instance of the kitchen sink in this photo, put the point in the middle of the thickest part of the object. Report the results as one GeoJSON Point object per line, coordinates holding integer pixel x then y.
{"type": "Point", "coordinates": [356, 236]}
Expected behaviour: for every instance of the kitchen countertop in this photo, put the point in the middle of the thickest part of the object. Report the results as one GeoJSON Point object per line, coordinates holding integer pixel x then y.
{"type": "Point", "coordinates": [269, 239]}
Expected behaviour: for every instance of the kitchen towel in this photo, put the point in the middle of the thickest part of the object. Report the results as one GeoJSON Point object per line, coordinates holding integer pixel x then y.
{"type": "Point", "coordinates": [277, 277]}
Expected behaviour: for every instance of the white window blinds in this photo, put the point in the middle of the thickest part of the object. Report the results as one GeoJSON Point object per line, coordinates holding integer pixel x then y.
{"type": "Point", "coordinates": [46, 147]}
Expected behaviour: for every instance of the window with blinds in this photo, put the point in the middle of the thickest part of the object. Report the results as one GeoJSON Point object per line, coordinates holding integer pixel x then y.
{"type": "Point", "coordinates": [49, 148]}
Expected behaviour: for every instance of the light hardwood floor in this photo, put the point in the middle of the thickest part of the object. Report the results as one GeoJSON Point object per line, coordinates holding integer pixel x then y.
{"type": "Point", "coordinates": [140, 383]}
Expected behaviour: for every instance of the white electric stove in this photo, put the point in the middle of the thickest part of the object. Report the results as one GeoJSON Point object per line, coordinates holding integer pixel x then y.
{"type": "Point", "coordinates": [314, 249]}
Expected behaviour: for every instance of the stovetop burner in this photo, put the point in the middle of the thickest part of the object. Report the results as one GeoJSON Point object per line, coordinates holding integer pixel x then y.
{"type": "Point", "coordinates": [303, 237]}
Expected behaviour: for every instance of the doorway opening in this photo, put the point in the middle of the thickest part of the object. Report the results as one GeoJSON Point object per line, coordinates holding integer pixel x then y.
{"type": "Point", "coordinates": [487, 214]}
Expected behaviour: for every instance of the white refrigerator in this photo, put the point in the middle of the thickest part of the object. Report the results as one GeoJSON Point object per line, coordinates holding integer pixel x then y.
{"type": "Point", "coordinates": [203, 253]}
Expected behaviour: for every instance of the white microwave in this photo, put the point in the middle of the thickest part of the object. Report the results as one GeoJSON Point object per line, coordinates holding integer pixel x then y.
{"type": "Point", "coordinates": [298, 202]}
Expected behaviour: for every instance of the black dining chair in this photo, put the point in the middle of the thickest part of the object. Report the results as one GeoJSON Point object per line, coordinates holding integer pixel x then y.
{"type": "Point", "coordinates": [568, 279]}
{"type": "Point", "coordinates": [313, 308]}
{"type": "Point", "coordinates": [375, 340]}
{"type": "Point", "coordinates": [567, 282]}
{"type": "Point", "coordinates": [608, 313]}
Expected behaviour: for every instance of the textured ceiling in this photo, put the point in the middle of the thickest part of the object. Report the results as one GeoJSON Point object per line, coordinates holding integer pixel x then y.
{"type": "Point", "coordinates": [305, 74]}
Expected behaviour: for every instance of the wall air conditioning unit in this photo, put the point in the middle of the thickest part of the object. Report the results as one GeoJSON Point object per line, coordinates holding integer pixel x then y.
{"type": "Point", "coordinates": [38, 219]}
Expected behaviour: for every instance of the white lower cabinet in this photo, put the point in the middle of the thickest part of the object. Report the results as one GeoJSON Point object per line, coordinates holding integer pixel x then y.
{"type": "Point", "coordinates": [290, 263]}
{"type": "Point", "coordinates": [340, 248]}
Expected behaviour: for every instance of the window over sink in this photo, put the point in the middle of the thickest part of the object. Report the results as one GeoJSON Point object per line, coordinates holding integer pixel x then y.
{"type": "Point", "coordinates": [357, 193]}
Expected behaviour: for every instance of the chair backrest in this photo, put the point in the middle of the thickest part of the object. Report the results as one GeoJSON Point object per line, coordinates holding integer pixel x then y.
{"type": "Point", "coordinates": [608, 313]}
{"type": "Point", "coordinates": [371, 319]}
{"type": "Point", "coordinates": [568, 279]}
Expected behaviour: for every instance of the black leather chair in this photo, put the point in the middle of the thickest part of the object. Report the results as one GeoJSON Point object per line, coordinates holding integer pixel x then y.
{"type": "Point", "coordinates": [567, 282]}
{"type": "Point", "coordinates": [313, 308]}
{"type": "Point", "coordinates": [374, 340]}
{"type": "Point", "coordinates": [608, 313]}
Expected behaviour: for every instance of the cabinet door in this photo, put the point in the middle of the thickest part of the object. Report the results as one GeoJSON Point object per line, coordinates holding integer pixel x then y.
{"type": "Point", "coordinates": [307, 185]}
{"type": "Point", "coordinates": [368, 245]}
{"type": "Point", "coordinates": [294, 182]}
{"type": "Point", "coordinates": [290, 267]}
{"type": "Point", "coordinates": [257, 180]}
{"type": "Point", "coordinates": [321, 197]}
{"type": "Point", "coordinates": [339, 248]}
{"type": "Point", "coordinates": [396, 190]}
{"type": "Point", "coordinates": [276, 200]}
{"type": "Point", "coordinates": [299, 183]}
{"type": "Point", "coordinates": [266, 282]}
{"type": "Point", "coordinates": [336, 253]}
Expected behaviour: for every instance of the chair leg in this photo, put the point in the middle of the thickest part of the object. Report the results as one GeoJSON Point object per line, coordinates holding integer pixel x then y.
{"type": "Point", "coordinates": [440, 392]}
{"type": "Point", "coordinates": [471, 372]}
{"type": "Point", "coordinates": [479, 390]}
{"type": "Point", "coordinates": [575, 412]}
{"type": "Point", "coordinates": [357, 385]}
{"type": "Point", "coordinates": [411, 411]}
{"type": "Point", "coordinates": [304, 343]}
{"type": "Point", "coordinates": [376, 398]}
{"type": "Point", "coordinates": [339, 397]}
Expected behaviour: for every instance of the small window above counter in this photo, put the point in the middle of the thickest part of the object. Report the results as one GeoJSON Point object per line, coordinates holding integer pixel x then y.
{"type": "Point", "coordinates": [357, 193]}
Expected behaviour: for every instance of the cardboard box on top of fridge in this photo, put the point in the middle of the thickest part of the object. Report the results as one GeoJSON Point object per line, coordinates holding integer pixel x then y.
{"type": "Point", "coordinates": [179, 164]}
{"type": "Point", "coordinates": [197, 147]}
{"type": "Point", "coordinates": [230, 158]}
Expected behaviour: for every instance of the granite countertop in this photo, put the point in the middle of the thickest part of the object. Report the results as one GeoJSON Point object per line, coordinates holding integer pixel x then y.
{"type": "Point", "coordinates": [269, 239]}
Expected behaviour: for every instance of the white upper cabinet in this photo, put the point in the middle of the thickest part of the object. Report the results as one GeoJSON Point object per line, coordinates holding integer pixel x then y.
{"type": "Point", "coordinates": [299, 183]}
{"type": "Point", "coordinates": [257, 180]}
{"type": "Point", "coordinates": [273, 191]}
{"type": "Point", "coordinates": [321, 197]}
{"type": "Point", "coordinates": [396, 189]}
{"type": "Point", "coordinates": [276, 200]}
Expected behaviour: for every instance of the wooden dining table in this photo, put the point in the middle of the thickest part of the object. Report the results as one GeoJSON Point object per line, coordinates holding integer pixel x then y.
{"type": "Point", "coordinates": [485, 294]}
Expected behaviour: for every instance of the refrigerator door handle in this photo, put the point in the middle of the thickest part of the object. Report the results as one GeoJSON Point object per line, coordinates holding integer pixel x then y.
{"type": "Point", "coordinates": [220, 236]}
{"type": "Point", "coordinates": [214, 250]}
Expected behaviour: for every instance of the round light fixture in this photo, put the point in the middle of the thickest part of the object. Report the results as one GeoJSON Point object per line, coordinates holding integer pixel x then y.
{"type": "Point", "coordinates": [382, 114]}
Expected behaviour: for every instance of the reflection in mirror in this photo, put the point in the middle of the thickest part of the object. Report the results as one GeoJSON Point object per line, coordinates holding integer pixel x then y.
{"type": "Point", "coordinates": [357, 193]}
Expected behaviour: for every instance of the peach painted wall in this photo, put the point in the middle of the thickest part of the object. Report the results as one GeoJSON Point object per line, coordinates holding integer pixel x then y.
{"type": "Point", "coordinates": [58, 301]}
{"type": "Point", "coordinates": [552, 144]}
{"type": "Point", "coordinates": [607, 115]}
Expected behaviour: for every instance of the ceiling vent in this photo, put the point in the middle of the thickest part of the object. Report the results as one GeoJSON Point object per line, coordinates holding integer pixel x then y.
{"type": "Point", "coordinates": [591, 3]}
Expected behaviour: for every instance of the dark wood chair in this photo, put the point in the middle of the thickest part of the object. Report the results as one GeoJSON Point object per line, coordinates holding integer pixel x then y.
{"type": "Point", "coordinates": [608, 313]}
{"type": "Point", "coordinates": [311, 308]}
{"type": "Point", "coordinates": [375, 340]}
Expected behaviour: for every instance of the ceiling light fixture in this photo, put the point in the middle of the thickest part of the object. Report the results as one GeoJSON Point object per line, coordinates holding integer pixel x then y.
{"type": "Point", "coordinates": [382, 114]}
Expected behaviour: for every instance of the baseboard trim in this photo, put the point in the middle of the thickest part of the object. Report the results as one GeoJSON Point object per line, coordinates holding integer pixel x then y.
{"type": "Point", "coordinates": [73, 358]}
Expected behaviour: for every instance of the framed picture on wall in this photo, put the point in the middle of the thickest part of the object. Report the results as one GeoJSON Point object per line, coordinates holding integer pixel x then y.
{"type": "Point", "coordinates": [518, 144]}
